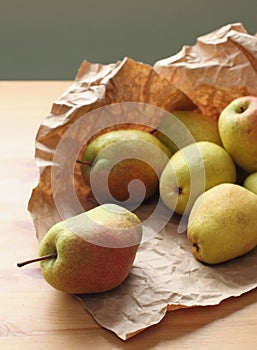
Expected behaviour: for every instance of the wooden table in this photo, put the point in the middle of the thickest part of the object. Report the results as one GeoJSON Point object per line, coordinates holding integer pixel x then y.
{"type": "Point", "coordinates": [35, 316]}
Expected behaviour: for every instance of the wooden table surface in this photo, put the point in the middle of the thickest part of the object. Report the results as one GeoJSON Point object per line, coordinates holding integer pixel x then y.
{"type": "Point", "coordinates": [35, 316]}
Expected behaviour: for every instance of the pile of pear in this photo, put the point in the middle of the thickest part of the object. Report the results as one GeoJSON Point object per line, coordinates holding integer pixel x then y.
{"type": "Point", "coordinates": [187, 160]}
{"type": "Point", "coordinates": [202, 168]}
{"type": "Point", "coordinates": [221, 201]}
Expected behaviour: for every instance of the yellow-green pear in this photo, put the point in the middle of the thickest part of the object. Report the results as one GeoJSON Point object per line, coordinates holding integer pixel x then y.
{"type": "Point", "coordinates": [222, 224]}
{"type": "Point", "coordinates": [250, 182]}
{"type": "Point", "coordinates": [238, 131]}
{"type": "Point", "coordinates": [193, 170]}
{"type": "Point", "coordinates": [117, 164]}
{"type": "Point", "coordinates": [190, 126]}
{"type": "Point", "coordinates": [91, 252]}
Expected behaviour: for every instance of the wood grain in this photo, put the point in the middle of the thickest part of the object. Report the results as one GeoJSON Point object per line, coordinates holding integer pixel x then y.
{"type": "Point", "coordinates": [35, 316]}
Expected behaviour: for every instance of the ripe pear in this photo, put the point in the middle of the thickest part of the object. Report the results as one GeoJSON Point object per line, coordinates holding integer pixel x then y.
{"type": "Point", "coordinates": [124, 165]}
{"type": "Point", "coordinates": [222, 224]}
{"type": "Point", "coordinates": [238, 131]}
{"type": "Point", "coordinates": [250, 182]}
{"type": "Point", "coordinates": [193, 170]}
{"type": "Point", "coordinates": [91, 252]}
{"type": "Point", "coordinates": [199, 128]}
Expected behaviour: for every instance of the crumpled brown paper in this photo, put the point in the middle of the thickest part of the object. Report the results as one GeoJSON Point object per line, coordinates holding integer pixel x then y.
{"type": "Point", "coordinates": [165, 276]}
{"type": "Point", "coordinates": [221, 66]}
{"type": "Point", "coordinates": [95, 86]}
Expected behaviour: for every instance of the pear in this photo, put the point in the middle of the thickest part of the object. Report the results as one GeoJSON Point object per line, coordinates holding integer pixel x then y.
{"type": "Point", "coordinates": [250, 182]}
{"type": "Point", "coordinates": [193, 170]}
{"type": "Point", "coordinates": [237, 125]}
{"type": "Point", "coordinates": [182, 128]}
{"type": "Point", "coordinates": [91, 252]}
{"type": "Point", "coordinates": [124, 165]}
{"type": "Point", "coordinates": [222, 224]}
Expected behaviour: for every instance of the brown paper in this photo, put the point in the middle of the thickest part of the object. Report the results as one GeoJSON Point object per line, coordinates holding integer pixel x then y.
{"type": "Point", "coordinates": [165, 276]}
{"type": "Point", "coordinates": [221, 66]}
{"type": "Point", "coordinates": [95, 86]}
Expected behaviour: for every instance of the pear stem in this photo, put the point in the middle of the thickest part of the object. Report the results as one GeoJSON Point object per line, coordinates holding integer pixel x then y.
{"type": "Point", "coordinates": [40, 258]}
{"type": "Point", "coordinates": [83, 162]}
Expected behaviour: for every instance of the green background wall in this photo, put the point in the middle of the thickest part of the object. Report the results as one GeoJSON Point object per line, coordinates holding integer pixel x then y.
{"type": "Point", "coordinates": [49, 39]}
